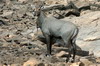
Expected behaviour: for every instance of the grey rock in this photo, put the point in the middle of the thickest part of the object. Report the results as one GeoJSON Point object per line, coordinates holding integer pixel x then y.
{"type": "Point", "coordinates": [7, 13]}
{"type": "Point", "coordinates": [89, 31]}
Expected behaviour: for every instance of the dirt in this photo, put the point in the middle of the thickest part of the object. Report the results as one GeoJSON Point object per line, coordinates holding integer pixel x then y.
{"type": "Point", "coordinates": [21, 45]}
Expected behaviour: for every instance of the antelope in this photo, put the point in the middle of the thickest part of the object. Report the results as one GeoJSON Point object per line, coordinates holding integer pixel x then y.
{"type": "Point", "coordinates": [52, 27]}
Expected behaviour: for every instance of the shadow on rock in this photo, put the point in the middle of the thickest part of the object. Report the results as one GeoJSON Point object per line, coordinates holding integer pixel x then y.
{"type": "Point", "coordinates": [59, 43]}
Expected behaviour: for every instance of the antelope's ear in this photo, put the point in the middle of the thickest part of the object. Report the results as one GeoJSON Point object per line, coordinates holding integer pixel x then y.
{"type": "Point", "coordinates": [42, 4]}
{"type": "Point", "coordinates": [38, 4]}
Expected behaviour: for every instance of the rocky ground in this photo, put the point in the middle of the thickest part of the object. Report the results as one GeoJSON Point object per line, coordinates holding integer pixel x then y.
{"type": "Point", "coordinates": [21, 45]}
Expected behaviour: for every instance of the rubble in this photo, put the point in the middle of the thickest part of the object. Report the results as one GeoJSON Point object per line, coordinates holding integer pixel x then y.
{"type": "Point", "coordinates": [19, 40]}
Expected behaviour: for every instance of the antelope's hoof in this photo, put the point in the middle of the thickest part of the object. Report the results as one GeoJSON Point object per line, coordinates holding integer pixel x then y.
{"type": "Point", "coordinates": [70, 60]}
{"type": "Point", "coordinates": [48, 55]}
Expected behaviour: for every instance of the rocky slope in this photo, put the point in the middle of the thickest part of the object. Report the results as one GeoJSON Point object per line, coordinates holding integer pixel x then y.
{"type": "Point", "coordinates": [19, 45]}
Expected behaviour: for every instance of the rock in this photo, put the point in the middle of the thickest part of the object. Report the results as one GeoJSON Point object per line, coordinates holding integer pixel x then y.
{"type": "Point", "coordinates": [22, 1]}
{"type": "Point", "coordinates": [89, 31]}
{"type": "Point", "coordinates": [85, 61]}
{"type": "Point", "coordinates": [85, 12]}
{"type": "Point", "coordinates": [5, 44]}
{"type": "Point", "coordinates": [21, 10]}
{"type": "Point", "coordinates": [8, 2]}
{"type": "Point", "coordinates": [92, 38]}
{"type": "Point", "coordinates": [24, 43]}
{"type": "Point", "coordinates": [98, 60]}
{"type": "Point", "coordinates": [27, 32]}
{"type": "Point", "coordinates": [49, 2]}
{"type": "Point", "coordinates": [48, 65]}
{"type": "Point", "coordinates": [2, 22]}
{"type": "Point", "coordinates": [40, 64]}
{"type": "Point", "coordinates": [31, 62]}
{"type": "Point", "coordinates": [61, 64]}
{"type": "Point", "coordinates": [60, 54]}
{"type": "Point", "coordinates": [22, 32]}
{"type": "Point", "coordinates": [16, 64]}
{"type": "Point", "coordinates": [81, 4]}
{"type": "Point", "coordinates": [1, 6]}
{"type": "Point", "coordinates": [7, 14]}
{"type": "Point", "coordinates": [32, 36]}
{"type": "Point", "coordinates": [9, 37]}
{"type": "Point", "coordinates": [76, 64]}
{"type": "Point", "coordinates": [29, 14]}
{"type": "Point", "coordinates": [95, 64]}
{"type": "Point", "coordinates": [95, 5]}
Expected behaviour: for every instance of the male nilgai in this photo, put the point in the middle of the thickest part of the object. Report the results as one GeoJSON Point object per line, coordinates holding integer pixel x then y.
{"type": "Point", "coordinates": [52, 27]}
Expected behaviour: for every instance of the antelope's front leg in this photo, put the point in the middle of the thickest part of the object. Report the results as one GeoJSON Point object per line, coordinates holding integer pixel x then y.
{"type": "Point", "coordinates": [48, 45]}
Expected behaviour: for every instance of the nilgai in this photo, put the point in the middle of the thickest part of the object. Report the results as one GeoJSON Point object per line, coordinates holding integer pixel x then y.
{"type": "Point", "coordinates": [52, 27]}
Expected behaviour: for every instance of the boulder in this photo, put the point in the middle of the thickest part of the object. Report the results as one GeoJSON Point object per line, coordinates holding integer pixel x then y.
{"type": "Point", "coordinates": [89, 31]}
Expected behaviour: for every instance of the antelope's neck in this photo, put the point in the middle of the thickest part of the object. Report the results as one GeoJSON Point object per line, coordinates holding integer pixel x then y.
{"type": "Point", "coordinates": [41, 18]}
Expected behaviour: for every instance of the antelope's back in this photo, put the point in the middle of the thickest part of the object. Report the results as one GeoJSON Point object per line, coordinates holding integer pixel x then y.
{"type": "Point", "coordinates": [57, 27]}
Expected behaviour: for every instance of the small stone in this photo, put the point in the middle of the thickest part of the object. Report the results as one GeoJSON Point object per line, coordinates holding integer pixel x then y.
{"type": "Point", "coordinates": [76, 64]}
{"type": "Point", "coordinates": [94, 65]}
{"type": "Point", "coordinates": [31, 36]}
{"type": "Point", "coordinates": [98, 60]}
{"type": "Point", "coordinates": [48, 65]}
{"type": "Point", "coordinates": [85, 61]}
{"type": "Point", "coordinates": [7, 13]}
{"type": "Point", "coordinates": [40, 64]}
{"type": "Point", "coordinates": [16, 64]}
{"type": "Point", "coordinates": [61, 64]}
{"type": "Point", "coordinates": [31, 62]}
{"type": "Point", "coordinates": [29, 14]}
{"type": "Point", "coordinates": [22, 1]}
{"type": "Point", "coordinates": [60, 54]}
